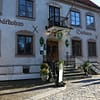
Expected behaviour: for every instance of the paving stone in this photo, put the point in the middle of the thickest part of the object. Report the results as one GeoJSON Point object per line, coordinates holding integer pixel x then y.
{"type": "Point", "coordinates": [82, 89]}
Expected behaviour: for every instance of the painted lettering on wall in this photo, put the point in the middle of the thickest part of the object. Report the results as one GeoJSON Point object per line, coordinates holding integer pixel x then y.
{"type": "Point", "coordinates": [78, 31]}
{"type": "Point", "coordinates": [11, 22]}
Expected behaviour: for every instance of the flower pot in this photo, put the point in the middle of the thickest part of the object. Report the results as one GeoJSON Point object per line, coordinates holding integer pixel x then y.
{"type": "Point", "coordinates": [44, 77]}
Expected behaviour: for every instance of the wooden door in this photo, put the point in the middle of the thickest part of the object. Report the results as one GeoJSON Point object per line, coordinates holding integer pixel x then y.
{"type": "Point", "coordinates": [52, 50]}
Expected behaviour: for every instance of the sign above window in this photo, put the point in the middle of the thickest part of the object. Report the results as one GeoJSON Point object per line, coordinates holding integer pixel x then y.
{"type": "Point", "coordinates": [78, 31]}
{"type": "Point", "coordinates": [10, 22]}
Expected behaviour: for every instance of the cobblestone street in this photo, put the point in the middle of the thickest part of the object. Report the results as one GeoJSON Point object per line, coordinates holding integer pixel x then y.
{"type": "Point", "coordinates": [84, 89]}
{"type": "Point", "coordinates": [81, 89]}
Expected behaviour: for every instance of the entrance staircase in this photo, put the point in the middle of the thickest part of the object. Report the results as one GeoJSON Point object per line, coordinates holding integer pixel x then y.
{"type": "Point", "coordinates": [95, 68]}
{"type": "Point", "coordinates": [70, 72]}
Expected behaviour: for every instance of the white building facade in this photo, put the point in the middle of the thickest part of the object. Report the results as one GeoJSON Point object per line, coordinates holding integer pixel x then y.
{"type": "Point", "coordinates": [31, 28]}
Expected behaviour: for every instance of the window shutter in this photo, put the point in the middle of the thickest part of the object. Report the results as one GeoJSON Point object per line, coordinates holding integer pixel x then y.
{"type": "Point", "coordinates": [0, 7]}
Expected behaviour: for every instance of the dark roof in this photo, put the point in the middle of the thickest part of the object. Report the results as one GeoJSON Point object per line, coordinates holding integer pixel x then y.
{"type": "Point", "coordinates": [87, 2]}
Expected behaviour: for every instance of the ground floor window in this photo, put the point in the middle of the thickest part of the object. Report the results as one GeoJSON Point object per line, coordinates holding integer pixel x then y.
{"type": "Point", "coordinates": [92, 49]}
{"type": "Point", "coordinates": [76, 48]}
{"type": "Point", "coordinates": [24, 45]}
{"type": "Point", "coordinates": [26, 69]}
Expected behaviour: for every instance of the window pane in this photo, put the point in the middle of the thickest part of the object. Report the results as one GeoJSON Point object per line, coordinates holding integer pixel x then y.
{"type": "Point", "coordinates": [26, 8]}
{"type": "Point", "coordinates": [77, 23]}
{"type": "Point", "coordinates": [22, 2]}
{"type": "Point", "coordinates": [72, 22]}
{"type": "Point", "coordinates": [21, 45]}
{"type": "Point", "coordinates": [28, 48]}
{"type": "Point", "coordinates": [54, 15]}
{"type": "Point", "coordinates": [25, 45]}
{"type": "Point", "coordinates": [72, 14]}
{"type": "Point", "coordinates": [77, 15]}
{"type": "Point", "coordinates": [51, 13]}
{"type": "Point", "coordinates": [29, 9]}
{"type": "Point", "coordinates": [57, 12]}
{"type": "Point", "coordinates": [90, 21]}
{"type": "Point", "coordinates": [75, 18]}
{"type": "Point", "coordinates": [22, 13]}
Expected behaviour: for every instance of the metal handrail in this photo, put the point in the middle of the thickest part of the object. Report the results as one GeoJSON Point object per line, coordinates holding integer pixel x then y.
{"type": "Point", "coordinates": [58, 21]}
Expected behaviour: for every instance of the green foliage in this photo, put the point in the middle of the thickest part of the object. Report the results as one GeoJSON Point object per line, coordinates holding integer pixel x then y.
{"type": "Point", "coordinates": [58, 63]}
{"type": "Point", "coordinates": [86, 65]}
{"type": "Point", "coordinates": [44, 69]}
{"type": "Point", "coordinates": [44, 65]}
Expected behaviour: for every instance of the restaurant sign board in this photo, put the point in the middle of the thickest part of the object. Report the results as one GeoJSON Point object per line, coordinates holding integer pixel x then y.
{"type": "Point", "coordinates": [10, 22]}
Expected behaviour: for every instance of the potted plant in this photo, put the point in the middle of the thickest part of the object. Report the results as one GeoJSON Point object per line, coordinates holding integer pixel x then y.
{"type": "Point", "coordinates": [44, 71]}
{"type": "Point", "coordinates": [86, 67]}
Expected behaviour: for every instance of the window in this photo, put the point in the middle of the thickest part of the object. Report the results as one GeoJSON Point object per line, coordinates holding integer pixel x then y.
{"type": "Point", "coordinates": [26, 69]}
{"type": "Point", "coordinates": [76, 48]}
{"type": "Point", "coordinates": [25, 8]}
{"type": "Point", "coordinates": [54, 15]}
{"type": "Point", "coordinates": [75, 18]}
{"type": "Point", "coordinates": [1, 7]}
{"type": "Point", "coordinates": [90, 23]}
{"type": "Point", "coordinates": [24, 45]}
{"type": "Point", "coordinates": [91, 49]}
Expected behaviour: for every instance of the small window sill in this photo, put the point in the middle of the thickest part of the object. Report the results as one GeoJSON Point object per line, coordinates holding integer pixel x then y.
{"type": "Point", "coordinates": [90, 28]}
{"type": "Point", "coordinates": [26, 18]}
{"type": "Point", "coordinates": [18, 55]}
{"type": "Point", "coordinates": [76, 26]}
{"type": "Point", "coordinates": [92, 56]}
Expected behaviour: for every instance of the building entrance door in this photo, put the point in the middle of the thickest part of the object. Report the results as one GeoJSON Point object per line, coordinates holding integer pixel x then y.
{"type": "Point", "coordinates": [52, 50]}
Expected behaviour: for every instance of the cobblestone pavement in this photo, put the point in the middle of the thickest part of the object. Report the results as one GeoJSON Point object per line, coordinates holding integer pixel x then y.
{"type": "Point", "coordinates": [82, 89]}
{"type": "Point", "coordinates": [23, 89]}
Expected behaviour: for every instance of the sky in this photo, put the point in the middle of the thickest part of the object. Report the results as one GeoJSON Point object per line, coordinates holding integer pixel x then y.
{"type": "Point", "coordinates": [96, 2]}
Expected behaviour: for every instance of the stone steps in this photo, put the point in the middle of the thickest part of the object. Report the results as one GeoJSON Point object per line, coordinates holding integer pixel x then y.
{"type": "Point", "coordinates": [76, 77]}
{"type": "Point", "coordinates": [71, 72]}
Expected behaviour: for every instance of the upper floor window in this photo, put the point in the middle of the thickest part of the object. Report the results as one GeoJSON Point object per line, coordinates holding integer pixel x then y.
{"type": "Point", "coordinates": [54, 15]}
{"type": "Point", "coordinates": [90, 23]}
{"type": "Point", "coordinates": [25, 8]}
{"type": "Point", "coordinates": [75, 18]}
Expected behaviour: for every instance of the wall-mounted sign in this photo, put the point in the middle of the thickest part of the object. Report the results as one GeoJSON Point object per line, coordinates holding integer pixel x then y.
{"type": "Point", "coordinates": [66, 43]}
{"type": "Point", "coordinates": [41, 41]}
{"type": "Point", "coordinates": [10, 22]}
{"type": "Point", "coordinates": [78, 31]}
{"type": "Point", "coordinates": [41, 50]}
